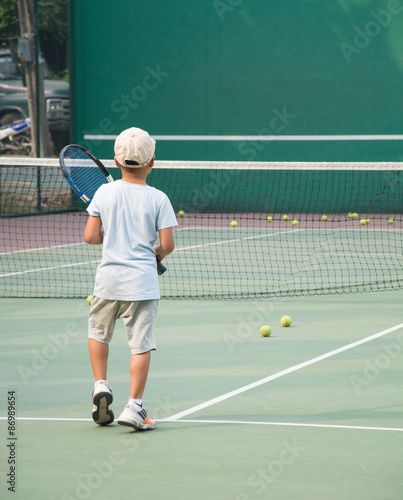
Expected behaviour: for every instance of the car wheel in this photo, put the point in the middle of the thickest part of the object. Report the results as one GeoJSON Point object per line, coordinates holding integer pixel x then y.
{"type": "Point", "coordinates": [11, 117]}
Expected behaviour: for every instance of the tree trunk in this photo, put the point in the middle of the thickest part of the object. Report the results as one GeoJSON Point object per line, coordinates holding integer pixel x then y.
{"type": "Point", "coordinates": [34, 81]}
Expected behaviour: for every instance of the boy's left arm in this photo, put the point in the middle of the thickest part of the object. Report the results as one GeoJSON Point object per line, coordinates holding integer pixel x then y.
{"type": "Point", "coordinates": [93, 231]}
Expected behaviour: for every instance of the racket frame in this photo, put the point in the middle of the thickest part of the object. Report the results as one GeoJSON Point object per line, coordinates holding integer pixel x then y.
{"type": "Point", "coordinates": [66, 173]}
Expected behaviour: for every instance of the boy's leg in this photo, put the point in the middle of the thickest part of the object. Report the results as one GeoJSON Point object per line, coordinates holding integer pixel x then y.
{"type": "Point", "coordinates": [135, 415]}
{"type": "Point", "coordinates": [99, 353]}
{"type": "Point", "coordinates": [102, 398]}
{"type": "Point", "coordinates": [101, 324]}
{"type": "Point", "coordinates": [139, 366]}
{"type": "Point", "coordinates": [139, 323]}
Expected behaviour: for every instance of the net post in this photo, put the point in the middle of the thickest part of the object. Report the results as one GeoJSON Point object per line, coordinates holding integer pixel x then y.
{"type": "Point", "coordinates": [37, 80]}
{"type": "Point", "coordinates": [38, 189]}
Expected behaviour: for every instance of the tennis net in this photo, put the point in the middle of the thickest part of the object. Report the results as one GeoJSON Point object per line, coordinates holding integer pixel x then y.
{"type": "Point", "coordinates": [301, 229]}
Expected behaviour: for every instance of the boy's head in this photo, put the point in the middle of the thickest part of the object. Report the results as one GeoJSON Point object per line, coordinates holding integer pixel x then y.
{"type": "Point", "coordinates": [134, 148]}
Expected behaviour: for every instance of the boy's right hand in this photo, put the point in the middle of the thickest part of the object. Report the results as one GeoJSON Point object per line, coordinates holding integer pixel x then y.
{"type": "Point", "coordinates": [158, 254]}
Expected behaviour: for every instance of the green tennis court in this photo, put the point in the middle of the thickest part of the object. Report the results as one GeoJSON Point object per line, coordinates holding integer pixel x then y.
{"type": "Point", "coordinates": [279, 144]}
{"type": "Point", "coordinates": [314, 410]}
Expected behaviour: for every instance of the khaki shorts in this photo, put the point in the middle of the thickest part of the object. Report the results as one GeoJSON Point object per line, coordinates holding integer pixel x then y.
{"type": "Point", "coordinates": [138, 318]}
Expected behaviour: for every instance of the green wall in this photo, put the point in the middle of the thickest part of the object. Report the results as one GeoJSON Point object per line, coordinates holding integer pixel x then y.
{"type": "Point", "coordinates": [281, 191]}
{"type": "Point", "coordinates": [278, 191]}
{"type": "Point", "coordinates": [206, 190]}
{"type": "Point", "coordinates": [243, 68]}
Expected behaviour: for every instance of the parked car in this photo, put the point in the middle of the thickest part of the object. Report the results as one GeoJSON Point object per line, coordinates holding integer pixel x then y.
{"type": "Point", "coordinates": [14, 98]}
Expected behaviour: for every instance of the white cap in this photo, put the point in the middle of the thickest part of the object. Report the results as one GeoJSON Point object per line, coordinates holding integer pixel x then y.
{"type": "Point", "coordinates": [134, 148]}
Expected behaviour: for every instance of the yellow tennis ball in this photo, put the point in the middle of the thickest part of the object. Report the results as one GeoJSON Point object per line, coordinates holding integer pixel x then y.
{"type": "Point", "coordinates": [265, 331]}
{"type": "Point", "coordinates": [294, 222]}
{"type": "Point", "coordinates": [363, 222]}
{"type": "Point", "coordinates": [89, 299]}
{"type": "Point", "coordinates": [234, 223]}
{"type": "Point", "coordinates": [368, 220]}
{"type": "Point", "coordinates": [324, 218]}
{"type": "Point", "coordinates": [181, 213]}
{"type": "Point", "coordinates": [286, 321]}
{"type": "Point", "coordinates": [350, 215]}
{"type": "Point", "coordinates": [354, 215]}
{"type": "Point", "coordinates": [269, 219]}
{"type": "Point", "coordinates": [285, 217]}
{"type": "Point", "coordinates": [391, 221]}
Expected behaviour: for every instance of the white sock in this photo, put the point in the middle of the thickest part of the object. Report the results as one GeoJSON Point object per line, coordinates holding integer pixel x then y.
{"type": "Point", "coordinates": [138, 402]}
{"type": "Point", "coordinates": [105, 382]}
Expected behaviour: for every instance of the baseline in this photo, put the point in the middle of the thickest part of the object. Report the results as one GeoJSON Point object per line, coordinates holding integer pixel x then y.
{"type": "Point", "coordinates": [228, 422]}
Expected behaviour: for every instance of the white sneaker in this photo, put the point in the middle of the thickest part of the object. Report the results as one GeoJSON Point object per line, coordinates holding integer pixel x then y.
{"type": "Point", "coordinates": [102, 398]}
{"type": "Point", "coordinates": [137, 419]}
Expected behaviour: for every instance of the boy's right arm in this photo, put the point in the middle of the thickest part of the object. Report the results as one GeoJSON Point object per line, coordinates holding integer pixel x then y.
{"type": "Point", "coordinates": [93, 231]}
{"type": "Point", "coordinates": [167, 243]}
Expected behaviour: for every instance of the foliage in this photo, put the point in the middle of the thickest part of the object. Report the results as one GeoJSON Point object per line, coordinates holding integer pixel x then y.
{"type": "Point", "coordinates": [8, 18]}
{"type": "Point", "coordinates": [63, 75]}
{"type": "Point", "coordinates": [52, 17]}
{"type": "Point", "coordinates": [53, 20]}
{"type": "Point", "coordinates": [52, 24]}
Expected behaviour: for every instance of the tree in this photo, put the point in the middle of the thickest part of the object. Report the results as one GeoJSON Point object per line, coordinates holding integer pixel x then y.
{"type": "Point", "coordinates": [8, 18]}
{"type": "Point", "coordinates": [52, 28]}
{"type": "Point", "coordinates": [28, 19]}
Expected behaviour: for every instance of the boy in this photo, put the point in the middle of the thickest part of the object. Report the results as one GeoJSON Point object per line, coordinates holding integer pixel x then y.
{"type": "Point", "coordinates": [125, 216]}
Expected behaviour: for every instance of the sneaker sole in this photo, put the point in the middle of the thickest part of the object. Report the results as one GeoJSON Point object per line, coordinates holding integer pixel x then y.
{"type": "Point", "coordinates": [135, 426]}
{"type": "Point", "coordinates": [103, 415]}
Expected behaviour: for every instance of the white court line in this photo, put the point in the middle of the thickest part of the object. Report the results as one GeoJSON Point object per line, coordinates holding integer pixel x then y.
{"type": "Point", "coordinates": [277, 375]}
{"type": "Point", "coordinates": [192, 247]}
{"type": "Point", "coordinates": [289, 424]}
{"type": "Point", "coordinates": [235, 422]}
{"type": "Point", "coordinates": [362, 137]}
{"type": "Point", "coordinates": [230, 165]}
{"type": "Point", "coordinates": [313, 229]}
{"type": "Point", "coordinates": [177, 250]}
{"type": "Point", "coordinates": [50, 268]}
{"type": "Point", "coordinates": [215, 243]}
{"type": "Point", "coordinates": [42, 248]}
{"type": "Point", "coordinates": [50, 419]}
{"type": "Point", "coordinates": [215, 228]}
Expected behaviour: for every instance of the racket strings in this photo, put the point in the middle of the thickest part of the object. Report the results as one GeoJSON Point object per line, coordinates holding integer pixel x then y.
{"type": "Point", "coordinates": [84, 171]}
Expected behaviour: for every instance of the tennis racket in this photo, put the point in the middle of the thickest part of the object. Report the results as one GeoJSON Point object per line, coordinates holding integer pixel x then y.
{"type": "Point", "coordinates": [85, 174]}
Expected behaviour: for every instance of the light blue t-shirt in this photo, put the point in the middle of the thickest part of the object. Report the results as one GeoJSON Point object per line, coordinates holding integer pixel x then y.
{"type": "Point", "coordinates": [131, 215]}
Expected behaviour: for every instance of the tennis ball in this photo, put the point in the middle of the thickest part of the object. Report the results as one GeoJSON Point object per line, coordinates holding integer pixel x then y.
{"type": "Point", "coordinates": [324, 217]}
{"type": "Point", "coordinates": [265, 331]}
{"type": "Point", "coordinates": [285, 217]}
{"type": "Point", "coordinates": [350, 215]}
{"type": "Point", "coordinates": [363, 222]}
{"type": "Point", "coordinates": [269, 219]}
{"type": "Point", "coordinates": [294, 222]}
{"type": "Point", "coordinates": [354, 215]}
{"type": "Point", "coordinates": [286, 321]}
{"type": "Point", "coordinates": [89, 299]}
{"type": "Point", "coordinates": [368, 220]}
{"type": "Point", "coordinates": [390, 221]}
{"type": "Point", "coordinates": [234, 223]}
{"type": "Point", "coordinates": [181, 213]}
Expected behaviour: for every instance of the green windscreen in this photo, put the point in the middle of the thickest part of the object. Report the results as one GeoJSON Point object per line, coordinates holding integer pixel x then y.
{"type": "Point", "coordinates": [256, 80]}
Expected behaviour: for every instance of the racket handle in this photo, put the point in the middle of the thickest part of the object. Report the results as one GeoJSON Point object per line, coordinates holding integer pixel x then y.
{"type": "Point", "coordinates": [160, 267]}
